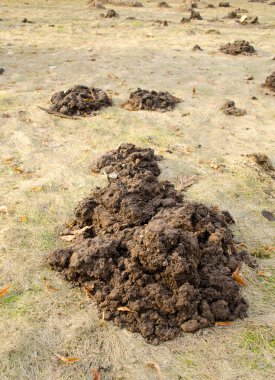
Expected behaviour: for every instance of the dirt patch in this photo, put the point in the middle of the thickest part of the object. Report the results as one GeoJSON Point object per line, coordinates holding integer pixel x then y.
{"type": "Point", "coordinates": [154, 263]}
{"type": "Point", "coordinates": [262, 160]}
{"type": "Point", "coordinates": [2, 70]}
{"type": "Point", "coordinates": [238, 47]}
{"type": "Point", "coordinates": [151, 101]}
{"type": "Point", "coordinates": [79, 100]}
{"type": "Point", "coordinates": [197, 48]}
{"type": "Point", "coordinates": [270, 81]}
{"type": "Point", "coordinates": [229, 108]}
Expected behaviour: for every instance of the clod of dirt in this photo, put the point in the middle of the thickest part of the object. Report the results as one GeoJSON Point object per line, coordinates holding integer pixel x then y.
{"type": "Point", "coordinates": [272, 3]}
{"type": "Point", "coordinates": [154, 263]}
{"type": "Point", "coordinates": [232, 15]}
{"type": "Point", "coordinates": [151, 101]}
{"type": "Point", "coordinates": [224, 5]}
{"type": "Point", "coordinates": [197, 48]}
{"type": "Point", "coordinates": [184, 20]}
{"type": "Point", "coordinates": [26, 21]}
{"type": "Point", "coordinates": [270, 81]}
{"type": "Point", "coordinates": [79, 100]}
{"type": "Point", "coordinates": [229, 108]}
{"type": "Point", "coordinates": [244, 20]}
{"type": "Point", "coordinates": [2, 70]}
{"type": "Point", "coordinates": [268, 215]}
{"type": "Point", "coordinates": [194, 5]}
{"type": "Point", "coordinates": [262, 160]}
{"type": "Point", "coordinates": [136, 4]}
{"type": "Point", "coordinates": [238, 47]}
{"type": "Point", "coordinates": [111, 13]}
{"type": "Point", "coordinates": [163, 4]}
{"type": "Point", "coordinates": [195, 15]}
{"type": "Point", "coordinates": [162, 22]}
{"type": "Point", "coordinates": [210, 6]}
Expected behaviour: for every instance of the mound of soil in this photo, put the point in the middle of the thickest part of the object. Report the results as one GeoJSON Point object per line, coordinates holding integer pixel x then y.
{"type": "Point", "coordinates": [224, 5]}
{"type": "Point", "coordinates": [79, 100]}
{"type": "Point", "coordinates": [229, 108]}
{"type": "Point", "coordinates": [195, 15]}
{"type": "Point", "coordinates": [197, 48]}
{"type": "Point", "coordinates": [154, 263]}
{"type": "Point", "coordinates": [163, 4]}
{"type": "Point", "coordinates": [151, 101]}
{"type": "Point", "coordinates": [238, 47]}
{"type": "Point", "coordinates": [270, 81]}
{"type": "Point", "coordinates": [111, 13]}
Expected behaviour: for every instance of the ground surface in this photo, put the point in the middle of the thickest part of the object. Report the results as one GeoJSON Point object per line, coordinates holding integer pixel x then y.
{"type": "Point", "coordinates": [44, 171]}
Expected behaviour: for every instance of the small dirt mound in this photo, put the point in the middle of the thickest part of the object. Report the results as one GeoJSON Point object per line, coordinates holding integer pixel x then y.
{"type": "Point", "coordinates": [270, 82]}
{"type": "Point", "coordinates": [262, 160]}
{"type": "Point", "coordinates": [197, 48]}
{"type": "Point", "coordinates": [154, 263]}
{"type": "Point", "coordinates": [2, 70]}
{"type": "Point", "coordinates": [224, 5]}
{"type": "Point", "coordinates": [238, 47]}
{"type": "Point", "coordinates": [229, 108]}
{"type": "Point", "coordinates": [79, 100]}
{"type": "Point", "coordinates": [163, 4]}
{"type": "Point", "coordinates": [195, 15]}
{"type": "Point", "coordinates": [111, 13]}
{"type": "Point", "coordinates": [151, 101]}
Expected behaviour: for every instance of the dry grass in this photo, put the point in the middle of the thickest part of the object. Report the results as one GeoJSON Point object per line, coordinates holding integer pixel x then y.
{"type": "Point", "coordinates": [44, 171]}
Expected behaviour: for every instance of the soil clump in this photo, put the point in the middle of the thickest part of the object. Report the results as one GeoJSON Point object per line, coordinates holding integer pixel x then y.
{"type": "Point", "coordinates": [238, 47]}
{"type": "Point", "coordinates": [154, 263]}
{"type": "Point", "coordinates": [151, 101]}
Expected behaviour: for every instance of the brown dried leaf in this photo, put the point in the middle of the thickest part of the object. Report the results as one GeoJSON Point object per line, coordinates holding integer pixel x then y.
{"type": "Point", "coordinates": [37, 188]}
{"type": "Point", "coordinates": [221, 323]}
{"type": "Point", "coordinates": [123, 308]}
{"type": "Point", "coordinates": [238, 277]}
{"type": "Point", "coordinates": [156, 367]}
{"type": "Point", "coordinates": [95, 373]}
{"type": "Point", "coordinates": [263, 273]}
{"type": "Point", "coordinates": [66, 360]}
{"type": "Point", "coordinates": [23, 219]}
{"type": "Point", "coordinates": [68, 237]}
{"type": "Point", "coordinates": [4, 290]}
{"type": "Point", "coordinates": [50, 288]}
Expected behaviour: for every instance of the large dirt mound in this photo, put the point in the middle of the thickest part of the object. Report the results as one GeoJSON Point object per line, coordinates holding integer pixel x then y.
{"type": "Point", "coordinates": [79, 100]}
{"type": "Point", "coordinates": [151, 101]}
{"type": "Point", "coordinates": [238, 47]}
{"type": "Point", "coordinates": [154, 263]}
{"type": "Point", "coordinates": [270, 81]}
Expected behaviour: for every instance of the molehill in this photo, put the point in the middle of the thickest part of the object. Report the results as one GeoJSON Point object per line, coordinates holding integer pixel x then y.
{"type": "Point", "coordinates": [151, 101]}
{"type": "Point", "coordinates": [154, 263]}
{"type": "Point", "coordinates": [79, 100]}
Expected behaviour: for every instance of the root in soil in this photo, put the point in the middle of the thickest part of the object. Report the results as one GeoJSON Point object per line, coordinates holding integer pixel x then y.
{"type": "Point", "coordinates": [154, 263]}
{"type": "Point", "coordinates": [151, 101]}
{"type": "Point", "coordinates": [79, 100]}
{"type": "Point", "coordinates": [238, 47]}
{"type": "Point", "coordinates": [229, 108]}
{"type": "Point", "coordinates": [270, 81]}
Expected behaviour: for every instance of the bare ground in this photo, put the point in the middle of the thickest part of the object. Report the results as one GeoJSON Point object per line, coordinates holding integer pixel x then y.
{"type": "Point", "coordinates": [44, 171]}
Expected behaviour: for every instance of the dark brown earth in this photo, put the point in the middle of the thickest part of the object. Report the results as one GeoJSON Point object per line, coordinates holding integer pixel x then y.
{"type": "Point", "coordinates": [2, 70]}
{"type": "Point", "coordinates": [163, 4]}
{"type": "Point", "coordinates": [151, 101]}
{"type": "Point", "coordinates": [154, 263]}
{"type": "Point", "coordinates": [79, 100]}
{"type": "Point", "coordinates": [195, 15]}
{"type": "Point", "coordinates": [229, 108]}
{"type": "Point", "coordinates": [111, 13]}
{"type": "Point", "coordinates": [224, 4]}
{"type": "Point", "coordinates": [270, 81]}
{"type": "Point", "coordinates": [238, 47]}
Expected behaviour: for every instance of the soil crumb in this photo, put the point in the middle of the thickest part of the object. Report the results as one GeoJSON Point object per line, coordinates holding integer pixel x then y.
{"type": "Point", "coordinates": [111, 13]}
{"type": "Point", "coordinates": [270, 81]}
{"type": "Point", "coordinates": [154, 263]}
{"type": "Point", "coordinates": [163, 4]}
{"type": "Point", "coordinates": [197, 48]}
{"type": "Point", "coordinates": [268, 215]}
{"type": "Point", "coordinates": [151, 101]}
{"type": "Point", "coordinates": [2, 70]}
{"type": "Point", "coordinates": [238, 47]}
{"type": "Point", "coordinates": [229, 108]}
{"type": "Point", "coordinates": [79, 100]}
